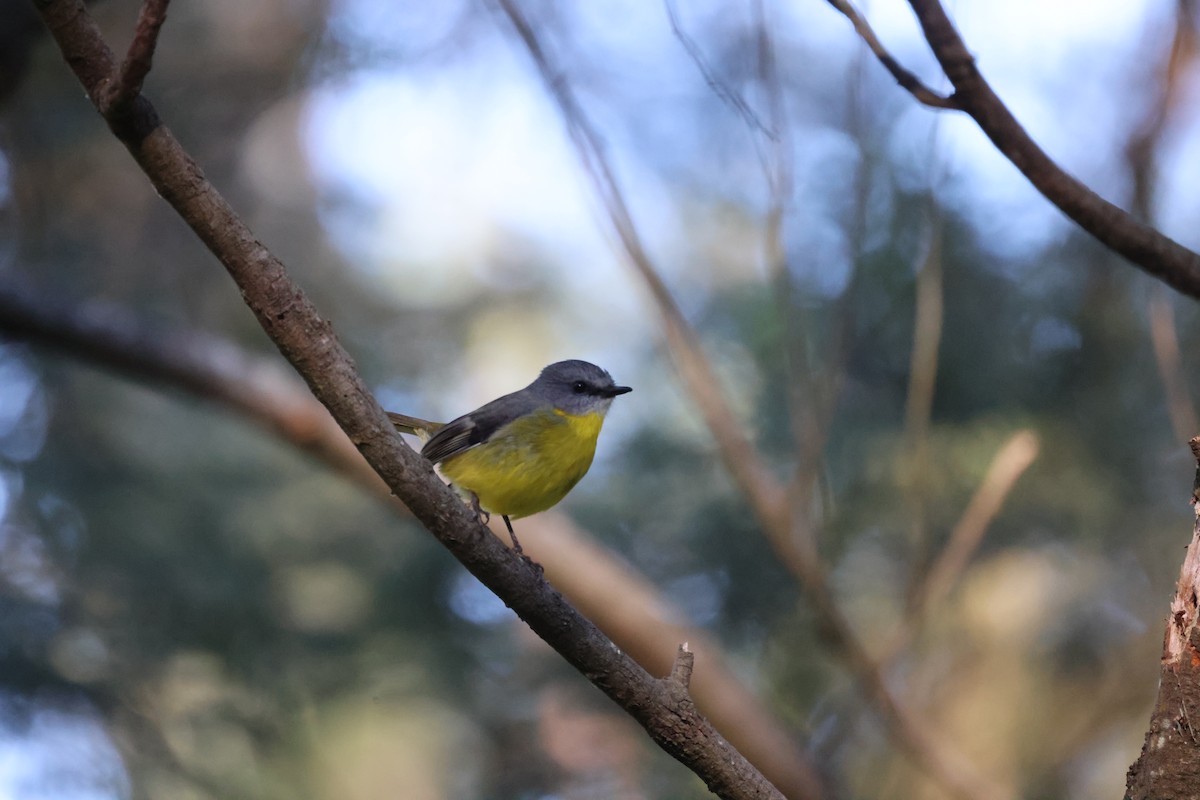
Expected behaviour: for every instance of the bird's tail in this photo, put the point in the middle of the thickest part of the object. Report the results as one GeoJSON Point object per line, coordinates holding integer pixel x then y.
{"type": "Point", "coordinates": [421, 428]}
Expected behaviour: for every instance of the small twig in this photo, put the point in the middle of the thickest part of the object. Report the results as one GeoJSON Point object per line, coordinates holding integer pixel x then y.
{"type": "Point", "coordinates": [927, 333]}
{"type": "Point", "coordinates": [1165, 339]}
{"type": "Point", "coordinates": [720, 88]}
{"type": "Point", "coordinates": [813, 427]}
{"type": "Point", "coordinates": [907, 80]}
{"type": "Point", "coordinates": [127, 83]}
{"type": "Point", "coordinates": [1008, 465]}
{"type": "Point", "coordinates": [1141, 153]}
{"type": "Point", "coordinates": [805, 411]}
{"type": "Point", "coordinates": [681, 669]}
{"type": "Point", "coordinates": [923, 369]}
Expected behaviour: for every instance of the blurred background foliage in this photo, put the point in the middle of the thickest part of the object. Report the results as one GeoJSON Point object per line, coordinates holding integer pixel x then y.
{"type": "Point", "coordinates": [191, 609]}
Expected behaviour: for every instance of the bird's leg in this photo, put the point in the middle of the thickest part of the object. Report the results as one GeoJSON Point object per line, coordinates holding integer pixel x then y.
{"type": "Point", "coordinates": [512, 534]}
{"type": "Point", "coordinates": [485, 516]}
{"type": "Point", "coordinates": [521, 553]}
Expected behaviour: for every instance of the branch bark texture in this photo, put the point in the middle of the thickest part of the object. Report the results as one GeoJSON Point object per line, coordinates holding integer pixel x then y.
{"type": "Point", "coordinates": [1169, 766]}
{"type": "Point", "coordinates": [308, 342]}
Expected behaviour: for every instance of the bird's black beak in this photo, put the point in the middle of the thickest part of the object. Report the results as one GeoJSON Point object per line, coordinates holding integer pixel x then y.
{"type": "Point", "coordinates": [613, 391]}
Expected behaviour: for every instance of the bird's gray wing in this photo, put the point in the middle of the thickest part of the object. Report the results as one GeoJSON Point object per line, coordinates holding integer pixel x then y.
{"type": "Point", "coordinates": [472, 430]}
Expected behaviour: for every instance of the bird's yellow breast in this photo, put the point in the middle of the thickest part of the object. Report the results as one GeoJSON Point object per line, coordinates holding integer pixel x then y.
{"type": "Point", "coordinates": [528, 465]}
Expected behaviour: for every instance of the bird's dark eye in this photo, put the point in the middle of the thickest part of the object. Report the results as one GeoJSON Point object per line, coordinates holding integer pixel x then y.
{"type": "Point", "coordinates": [579, 387]}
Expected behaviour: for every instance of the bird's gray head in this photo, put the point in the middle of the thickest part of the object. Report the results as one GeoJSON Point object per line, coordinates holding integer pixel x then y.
{"type": "Point", "coordinates": [577, 387]}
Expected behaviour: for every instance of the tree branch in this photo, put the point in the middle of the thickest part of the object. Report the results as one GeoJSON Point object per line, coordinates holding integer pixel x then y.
{"type": "Point", "coordinates": [1156, 254]}
{"type": "Point", "coordinates": [719, 87]}
{"type": "Point", "coordinates": [308, 342]}
{"type": "Point", "coordinates": [200, 365]}
{"type": "Point", "coordinates": [907, 80]}
{"type": "Point", "coordinates": [1145, 247]}
{"type": "Point", "coordinates": [128, 81]}
{"type": "Point", "coordinates": [1167, 768]}
{"type": "Point", "coordinates": [1009, 463]}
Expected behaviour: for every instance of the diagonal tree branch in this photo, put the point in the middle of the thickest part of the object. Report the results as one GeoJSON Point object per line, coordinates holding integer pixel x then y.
{"type": "Point", "coordinates": [308, 342]}
{"type": "Point", "coordinates": [907, 79]}
{"type": "Point", "coordinates": [719, 87]}
{"type": "Point", "coordinates": [1148, 249]}
{"type": "Point", "coordinates": [258, 389]}
{"type": "Point", "coordinates": [127, 83]}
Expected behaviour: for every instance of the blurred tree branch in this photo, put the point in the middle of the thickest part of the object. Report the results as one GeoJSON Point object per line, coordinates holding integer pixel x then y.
{"type": "Point", "coordinates": [767, 496]}
{"type": "Point", "coordinates": [907, 80]}
{"type": "Point", "coordinates": [1145, 247]}
{"type": "Point", "coordinates": [199, 364]}
{"type": "Point", "coordinates": [720, 88]}
{"type": "Point", "coordinates": [1141, 152]}
{"type": "Point", "coordinates": [934, 584]}
{"type": "Point", "coordinates": [810, 401]}
{"type": "Point", "coordinates": [308, 342]}
{"type": "Point", "coordinates": [928, 318]}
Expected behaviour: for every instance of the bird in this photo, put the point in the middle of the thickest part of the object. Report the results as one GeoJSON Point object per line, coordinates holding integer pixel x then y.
{"type": "Point", "coordinates": [521, 453]}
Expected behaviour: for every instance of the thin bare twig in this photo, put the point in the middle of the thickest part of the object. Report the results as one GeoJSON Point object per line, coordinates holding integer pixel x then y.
{"type": "Point", "coordinates": [815, 426]}
{"type": "Point", "coordinates": [922, 372]}
{"type": "Point", "coordinates": [803, 399]}
{"type": "Point", "coordinates": [720, 88]}
{"type": "Point", "coordinates": [126, 84]}
{"type": "Point", "coordinates": [1141, 153]}
{"type": "Point", "coordinates": [1008, 465]}
{"type": "Point", "coordinates": [927, 334]}
{"type": "Point", "coordinates": [1165, 338]}
{"type": "Point", "coordinates": [907, 80]}
{"type": "Point", "coordinates": [681, 670]}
